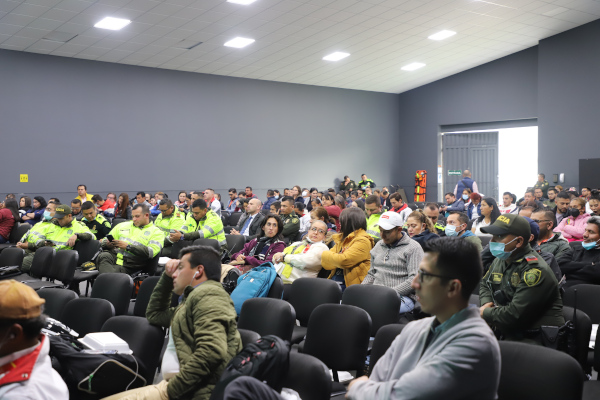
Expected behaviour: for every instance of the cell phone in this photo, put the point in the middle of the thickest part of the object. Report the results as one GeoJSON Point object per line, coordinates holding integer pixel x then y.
{"type": "Point", "coordinates": [110, 238]}
{"type": "Point", "coordinates": [50, 243]}
{"type": "Point", "coordinates": [172, 231]}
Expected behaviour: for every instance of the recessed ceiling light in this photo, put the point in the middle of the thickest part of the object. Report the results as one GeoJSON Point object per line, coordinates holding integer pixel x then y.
{"type": "Point", "coordinates": [242, 2]}
{"type": "Point", "coordinates": [441, 35]}
{"type": "Point", "coordinates": [413, 66]}
{"type": "Point", "coordinates": [337, 56]}
{"type": "Point", "coordinates": [114, 24]}
{"type": "Point", "coordinates": [239, 42]}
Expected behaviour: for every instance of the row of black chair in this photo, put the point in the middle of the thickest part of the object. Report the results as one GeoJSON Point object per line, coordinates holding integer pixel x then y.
{"type": "Point", "coordinates": [18, 231]}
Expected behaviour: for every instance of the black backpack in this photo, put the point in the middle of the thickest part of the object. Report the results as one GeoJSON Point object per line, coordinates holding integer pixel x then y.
{"type": "Point", "coordinates": [267, 359]}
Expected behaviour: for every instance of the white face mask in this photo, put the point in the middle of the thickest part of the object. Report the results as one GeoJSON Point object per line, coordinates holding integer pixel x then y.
{"type": "Point", "coordinates": [304, 194]}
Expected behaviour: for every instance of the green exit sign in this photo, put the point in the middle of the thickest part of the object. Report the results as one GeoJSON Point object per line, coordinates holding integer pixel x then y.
{"type": "Point", "coordinates": [454, 172]}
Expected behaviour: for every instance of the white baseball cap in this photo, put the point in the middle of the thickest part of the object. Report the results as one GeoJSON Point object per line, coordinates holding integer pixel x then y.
{"type": "Point", "coordinates": [390, 220]}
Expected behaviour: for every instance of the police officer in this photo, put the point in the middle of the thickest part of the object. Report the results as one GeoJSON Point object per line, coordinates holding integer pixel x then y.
{"type": "Point", "coordinates": [169, 220]}
{"type": "Point", "coordinates": [519, 294]}
{"type": "Point", "coordinates": [373, 210]}
{"type": "Point", "coordinates": [61, 233]}
{"type": "Point", "coordinates": [95, 222]}
{"type": "Point", "coordinates": [291, 222]}
{"type": "Point", "coordinates": [365, 182]}
{"type": "Point", "coordinates": [201, 223]}
{"type": "Point", "coordinates": [130, 245]}
{"type": "Point", "coordinates": [36, 236]}
{"type": "Point", "coordinates": [543, 184]}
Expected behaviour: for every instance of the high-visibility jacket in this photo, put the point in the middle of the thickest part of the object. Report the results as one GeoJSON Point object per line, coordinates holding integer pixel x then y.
{"type": "Point", "coordinates": [60, 235]}
{"type": "Point", "coordinates": [36, 236]}
{"type": "Point", "coordinates": [366, 183]}
{"type": "Point", "coordinates": [144, 243]}
{"type": "Point", "coordinates": [174, 221]}
{"type": "Point", "coordinates": [209, 227]}
{"type": "Point", "coordinates": [373, 226]}
{"type": "Point", "coordinates": [99, 226]}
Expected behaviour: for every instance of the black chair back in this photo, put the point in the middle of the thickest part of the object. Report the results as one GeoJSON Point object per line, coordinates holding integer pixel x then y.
{"type": "Point", "coordinates": [225, 217]}
{"type": "Point", "coordinates": [117, 221]}
{"type": "Point", "coordinates": [85, 315]}
{"type": "Point", "coordinates": [308, 293]}
{"type": "Point", "coordinates": [42, 262]}
{"type": "Point", "coordinates": [235, 243]}
{"type": "Point", "coordinates": [56, 300]}
{"type": "Point", "coordinates": [144, 339]}
{"type": "Point", "coordinates": [338, 335]}
{"type": "Point", "coordinates": [383, 340]}
{"type": "Point", "coordinates": [18, 232]}
{"type": "Point", "coordinates": [63, 266]}
{"type": "Point", "coordinates": [583, 327]}
{"type": "Point", "coordinates": [536, 372]}
{"type": "Point", "coordinates": [248, 336]}
{"type": "Point", "coordinates": [86, 249]}
{"type": "Point", "coordinates": [116, 288]}
{"type": "Point", "coordinates": [143, 296]}
{"type": "Point", "coordinates": [287, 289]}
{"type": "Point", "coordinates": [276, 290]}
{"type": "Point", "coordinates": [177, 246]}
{"type": "Point", "coordinates": [151, 266]}
{"type": "Point", "coordinates": [309, 377]}
{"type": "Point", "coordinates": [381, 302]}
{"type": "Point", "coordinates": [587, 300]}
{"type": "Point", "coordinates": [268, 317]}
{"type": "Point", "coordinates": [214, 243]}
{"type": "Point", "coordinates": [11, 256]}
{"type": "Point", "coordinates": [234, 218]}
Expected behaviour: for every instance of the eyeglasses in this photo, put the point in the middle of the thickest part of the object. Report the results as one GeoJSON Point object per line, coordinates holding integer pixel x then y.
{"type": "Point", "coordinates": [537, 221]}
{"type": "Point", "coordinates": [422, 274]}
{"type": "Point", "coordinates": [318, 230]}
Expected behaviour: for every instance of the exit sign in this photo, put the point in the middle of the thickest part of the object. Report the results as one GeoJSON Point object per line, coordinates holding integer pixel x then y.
{"type": "Point", "coordinates": [24, 178]}
{"type": "Point", "coordinates": [454, 172]}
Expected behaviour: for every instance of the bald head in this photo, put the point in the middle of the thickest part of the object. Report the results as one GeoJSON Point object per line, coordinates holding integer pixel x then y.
{"type": "Point", "coordinates": [254, 206]}
{"type": "Point", "coordinates": [467, 173]}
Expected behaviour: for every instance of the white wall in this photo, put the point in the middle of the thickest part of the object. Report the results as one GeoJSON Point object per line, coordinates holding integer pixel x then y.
{"type": "Point", "coordinates": [517, 159]}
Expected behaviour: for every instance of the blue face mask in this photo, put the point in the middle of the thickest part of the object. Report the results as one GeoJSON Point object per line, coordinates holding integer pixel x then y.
{"type": "Point", "coordinates": [497, 249]}
{"type": "Point", "coordinates": [465, 196]}
{"type": "Point", "coordinates": [589, 246]}
{"type": "Point", "coordinates": [47, 216]}
{"type": "Point", "coordinates": [450, 230]}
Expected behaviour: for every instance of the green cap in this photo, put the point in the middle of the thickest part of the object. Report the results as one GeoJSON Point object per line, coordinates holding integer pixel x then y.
{"type": "Point", "coordinates": [509, 224]}
{"type": "Point", "coordinates": [62, 211]}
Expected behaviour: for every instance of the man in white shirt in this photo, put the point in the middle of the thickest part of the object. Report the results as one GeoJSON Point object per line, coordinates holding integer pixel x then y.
{"type": "Point", "coordinates": [211, 200]}
{"type": "Point", "coordinates": [249, 223]}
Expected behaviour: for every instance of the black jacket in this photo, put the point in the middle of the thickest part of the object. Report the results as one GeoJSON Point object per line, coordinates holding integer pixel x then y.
{"type": "Point", "coordinates": [424, 236]}
{"type": "Point", "coordinates": [254, 229]}
{"type": "Point", "coordinates": [582, 267]}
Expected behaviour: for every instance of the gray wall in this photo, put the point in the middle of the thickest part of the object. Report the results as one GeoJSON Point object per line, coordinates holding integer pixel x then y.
{"type": "Point", "coordinates": [504, 89]}
{"type": "Point", "coordinates": [125, 128]}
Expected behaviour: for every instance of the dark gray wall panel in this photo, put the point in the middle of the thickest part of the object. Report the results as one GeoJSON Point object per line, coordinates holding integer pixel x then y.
{"type": "Point", "coordinates": [126, 128]}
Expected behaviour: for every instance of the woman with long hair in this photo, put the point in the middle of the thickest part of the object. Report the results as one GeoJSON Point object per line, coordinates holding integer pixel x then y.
{"type": "Point", "coordinates": [24, 206]}
{"type": "Point", "coordinates": [419, 227]}
{"type": "Point", "coordinates": [123, 209]}
{"type": "Point", "coordinates": [9, 217]}
{"type": "Point", "coordinates": [474, 207]}
{"type": "Point", "coordinates": [350, 258]}
{"type": "Point", "coordinates": [489, 213]}
{"type": "Point", "coordinates": [37, 211]}
{"type": "Point", "coordinates": [333, 210]}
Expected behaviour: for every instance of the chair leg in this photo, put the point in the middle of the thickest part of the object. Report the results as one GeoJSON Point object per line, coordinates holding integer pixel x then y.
{"type": "Point", "coordinates": [336, 378]}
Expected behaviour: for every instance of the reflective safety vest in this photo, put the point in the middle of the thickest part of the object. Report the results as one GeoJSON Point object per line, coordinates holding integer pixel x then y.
{"type": "Point", "coordinates": [37, 234]}
{"type": "Point", "coordinates": [147, 240]}
{"type": "Point", "coordinates": [60, 235]}
{"type": "Point", "coordinates": [209, 227]}
{"type": "Point", "coordinates": [175, 221]}
{"type": "Point", "coordinates": [373, 226]}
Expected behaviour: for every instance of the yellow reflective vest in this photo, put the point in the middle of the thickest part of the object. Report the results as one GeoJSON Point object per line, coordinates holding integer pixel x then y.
{"type": "Point", "coordinates": [373, 226]}
{"type": "Point", "coordinates": [145, 243]}
{"type": "Point", "coordinates": [60, 235]}
{"type": "Point", "coordinates": [36, 236]}
{"type": "Point", "coordinates": [175, 221]}
{"type": "Point", "coordinates": [209, 227]}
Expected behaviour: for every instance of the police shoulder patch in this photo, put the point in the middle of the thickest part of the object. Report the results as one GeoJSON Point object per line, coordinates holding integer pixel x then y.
{"type": "Point", "coordinates": [514, 279]}
{"type": "Point", "coordinates": [532, 260]}
{"type": "Point", "coordinates": [532, 276]}
{"type": "Point", "coordinates": [496, 277]}
{"type": "Point", "coordinates": [295, 220]}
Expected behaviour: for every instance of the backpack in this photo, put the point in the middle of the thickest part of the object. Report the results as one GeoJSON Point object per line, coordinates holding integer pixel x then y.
{"type": "Point", "coordinates": [267, 359]}
{"type": "Point", "coordinates": [254, 283]}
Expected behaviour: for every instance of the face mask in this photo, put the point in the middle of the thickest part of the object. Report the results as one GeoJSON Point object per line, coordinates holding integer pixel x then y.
{"type": "Point", "coordinates": [276, 196]}
{"type": "Point", "coordinates": [451, 230]}
{"type": "Point", "coordinates": [47, 216]}
{"type": "Point", "coordinates": [465, 196]}
{"type": "Point", "coordinates": [589, 246]}
{"type": "Point", "coordinates": [497, 249]}
{"type": "Point", "coordinates": [573, 212]}
{"type": "Point", "coordinates": [304, 194]}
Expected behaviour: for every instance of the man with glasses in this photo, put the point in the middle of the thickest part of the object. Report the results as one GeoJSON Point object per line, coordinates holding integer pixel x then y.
{"type": "Point", "coordinates": [549, 241]}
{"type": "Point", "coordinates": [519, 294]}
{"type": "Point", "coordinates": [395, 260]}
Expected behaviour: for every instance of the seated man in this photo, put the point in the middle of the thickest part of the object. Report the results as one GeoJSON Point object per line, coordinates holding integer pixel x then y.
{"type": "Point", "coordinates": [400, 207]}
{"type": "Point", "coordinates": [456, 225]}
{"type": "Point", "coordinates": [300, 210]}
{"type": "Point", "coordinates": [131, 245]}
{"type": "Point", "coordinates": [61, 234]}
{"type": "Point", "coordinates": [432, 210]}
{"type": "Point", "coordinates": [395, 260]}
{"type": "Point", "coordinates": [550, 202]}
{"type": "Point", "coordinates": [201, 223]}
{"type": "Point", "coordinates": [275, 207]}
{"type": "Point", "coordinates": [212, 201]}
{"type": "Point", "coordinates": [373, 210]}
{"type": "Point", "coordinates": [36, 236]}
{"type": "Point", "coordinates": [203, 337]}
{"type": "Point", "coordinates": [250, 222]}
{"type": "Point", "coordinates": [519, 294]}
{"type": "Point", "coordinates": [303, 259]}
{"type": "Point", "coordinates": [270, 200]}
{"type": "Point", "coordinates": [452, 204]}
{"type": "Point", "coordinates": [548, 240]}
{"type": "Point", "coordinates": [231, 205]}
{"type": "Point", "coordinates": [582, 265]}
{"type": "Point", "coordinates": [169, 220]}
{"type": "Point", "coordinates": [563, 199]}
{"type": "Point", "coordinates": [95, 222]}
{"type": "Point", "coordinates": [25, 367]}
{"type": "Point", "coordinates": [155, 210]}
{"type": "Point", "coordinates": [76, 209]}
{"type": "Point", "coordinates": [291, 222]}
{"type": "Point", "coordinates": [451, 355]}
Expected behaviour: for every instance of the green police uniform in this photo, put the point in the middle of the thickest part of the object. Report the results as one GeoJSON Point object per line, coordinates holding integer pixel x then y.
{"type": "Point", "coordinates": [291, 225]}
{"type": "Point", "coordinates": [348, 187]}
{"type": "Point", "coordinates": [542, 185]}
{"type": "Point", "coordinates": [373, 226]}
{"type": "Point", "coordinates": [523, 288]}
{"type": "Point", "coordinates": [99, 226]}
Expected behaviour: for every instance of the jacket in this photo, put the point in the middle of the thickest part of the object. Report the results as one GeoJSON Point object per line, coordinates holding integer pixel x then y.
{"type": "Point", "coordinates": [470, 210]}
{"type": "Point", "coordinates": [334, 212]}
{"type": "Point", "coordinates": [465, 183]}
{"type": "Point", "coordinates": [373, 226]}
{"type": "Point", "coordinates": [7, 221]}
{"type": "Point", "coordinates": [348, 187]}
{"type": "Point", "coordinates": [352, 255]}
{"type": "Point", "coordinates": [36, 236]}
{"type": "Point", "coordinates": [60, 235]}
{"type": "Point", "coordinates": [582, 267]}
{"type": "Point", "coordinates": [458, 205]}
{"type": "Point", "coordinates": [254, 228]}
{"type": "Point", "coordinates": [32, 375]}
{"type": "Point", "coordinates": [471, 237]}
{"type": "Point", "coordinates": [255, 260]}
{"type": "Point", "coordinates": [302, 260]}
{"type": "Point", "coordinates": [395, 265]}
{"type": "Point", "coordinates": [558, 246]}
{"type": "Point", "coordinates": [542, 185]}
{"type": "Point", "coordinates": [573, 228]}
{"type": "Point", "coordinates": [175, 221]}
{"type": "Point", "coordinates": [145, 243]}
{"type": "Point", "coordinates": [404, 212]}
{"type": "Point", "coordinates": [366, 183]}
{"type": "Point", "coordinates": [204, 331]}
{"type": "Point", "coordinates": [267, 205]}
{"type": "Point", "coordinates": [209, 227]}
{"type": "Point", "coordinates": [424, 236]}
{"type": "Point", "coordinates": [99, 226]}
{"type": "Point", "coordinates": [461, 362]}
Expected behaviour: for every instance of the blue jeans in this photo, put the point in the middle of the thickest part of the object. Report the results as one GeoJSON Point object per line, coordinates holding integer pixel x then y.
{"type": "Point", "coordinates": [2, 240]}
{"type": "Point", "coordinates": [406, 304]}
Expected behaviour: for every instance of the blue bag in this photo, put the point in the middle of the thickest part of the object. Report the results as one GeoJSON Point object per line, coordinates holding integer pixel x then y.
{"type": "Point", "coordinates": [254, 283]}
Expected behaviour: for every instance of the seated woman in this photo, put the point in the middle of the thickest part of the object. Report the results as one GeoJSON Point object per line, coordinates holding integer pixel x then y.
{"type": "Point", "coordinates": [9, 218]}
{"type": "Point", "coordinates": [466, 196]}
{"type": "Point", "coordinates": [582, 265]}
{"type": "Point", "coordinates": [261, 249]}
{"type": "Point", "coordinates": [333, 210]}
{"type": "Point", "coordinates": [489, 213]}
{"type": "Point", "coordinates": [37, 212]}
{"type": "Point", "coordinates": [303, 259]}
{"type": "Point", "coordinates": [24, 207]}
{"type": "Point", "coordinates": [474, 207]}
{"type": "Point", "coordinates": [419, 227]}
{"type": "Point", "coordinates": [574, 224]}
{"type": "Point", "coordinates": [320, 214]}
{"type": "Point", "coordinates": [350, 259]}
